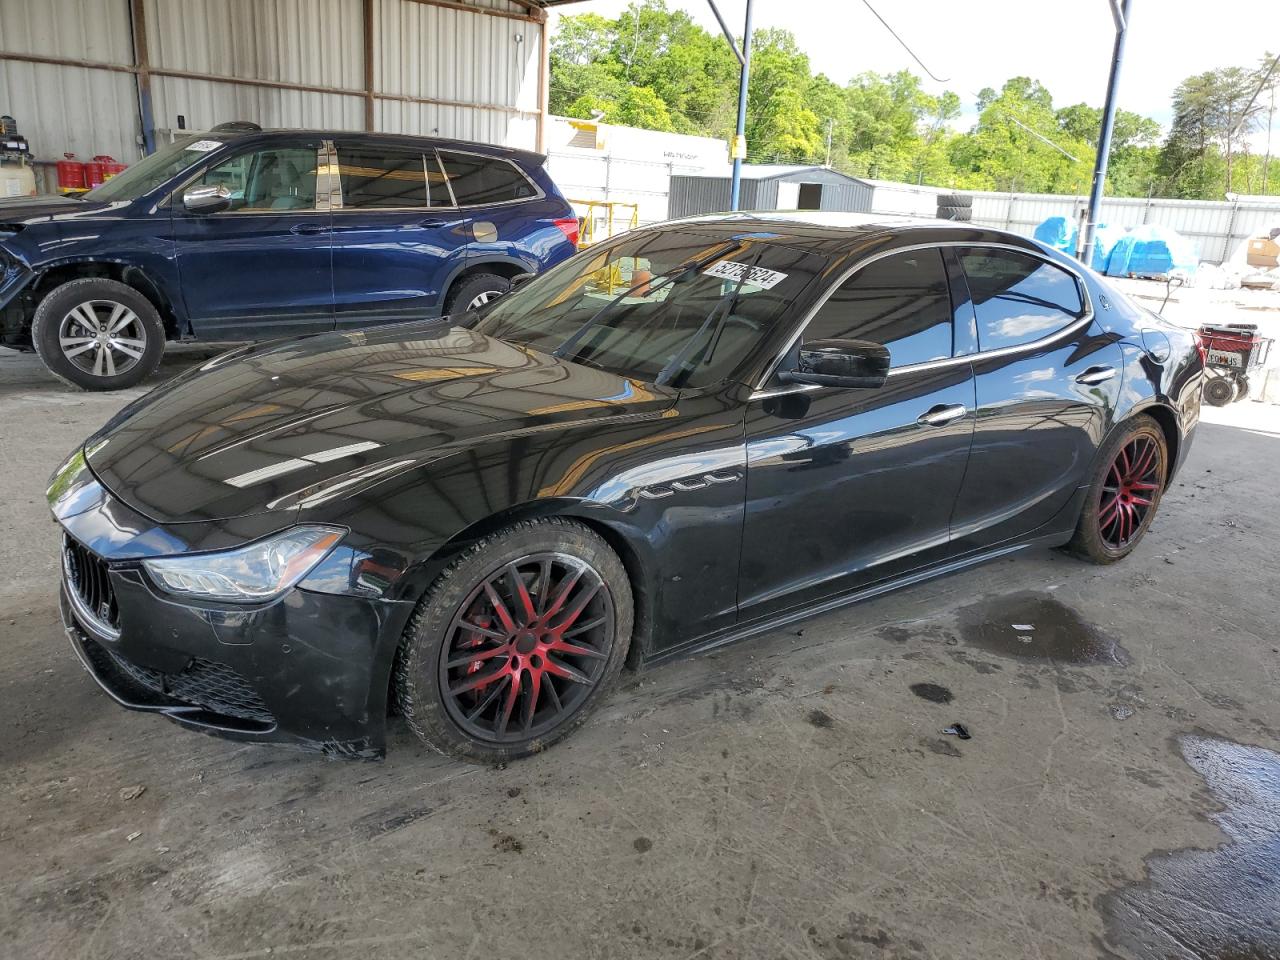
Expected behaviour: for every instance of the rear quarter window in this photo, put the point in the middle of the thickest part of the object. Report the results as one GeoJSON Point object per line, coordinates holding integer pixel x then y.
{"type": "Point", "coordinates": [479, 180]}
{"type": "Point", "coordinates": [1018, 298]}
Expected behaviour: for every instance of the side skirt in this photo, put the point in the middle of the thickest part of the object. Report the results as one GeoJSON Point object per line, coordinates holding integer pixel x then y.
{"type": "Point", "coordinates": [742, 632]}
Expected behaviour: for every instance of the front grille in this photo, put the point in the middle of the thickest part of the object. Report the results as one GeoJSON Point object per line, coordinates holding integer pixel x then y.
{"type": "Point", "coordinates": [203, 683]}
{"type": "Point", "coordinates": [86, 576]}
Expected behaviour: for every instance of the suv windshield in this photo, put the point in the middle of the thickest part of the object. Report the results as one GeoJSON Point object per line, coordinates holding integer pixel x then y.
{"type": "Point", "coordinates": [671, 305]}
{"type": "Point", "coordinates": [153, 171]}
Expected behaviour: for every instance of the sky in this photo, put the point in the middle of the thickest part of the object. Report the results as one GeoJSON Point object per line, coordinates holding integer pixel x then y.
{"type": "Point", "coordinates": [972, 44]}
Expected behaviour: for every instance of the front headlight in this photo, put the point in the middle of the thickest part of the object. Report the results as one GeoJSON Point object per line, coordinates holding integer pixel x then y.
{"type": "Point", "coordinates": [258, 571]}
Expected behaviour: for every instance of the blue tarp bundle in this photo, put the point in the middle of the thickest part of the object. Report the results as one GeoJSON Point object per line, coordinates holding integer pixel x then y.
{"type": "Point", "coordinates": [1061, 234]}
{"type": "Point", "coordinates": [1105, 238]}
{"type": "Point", "coordinates": [1151, 251]}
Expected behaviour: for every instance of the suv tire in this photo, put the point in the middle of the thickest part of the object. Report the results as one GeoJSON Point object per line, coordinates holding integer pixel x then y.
{"type": "Point", "coordinates": [98, 334]}
{"type": "Point", "coordinates": [475, 291]}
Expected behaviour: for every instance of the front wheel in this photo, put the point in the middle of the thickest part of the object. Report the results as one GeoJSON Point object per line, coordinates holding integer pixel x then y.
{"type": "Point", "coordinates": [1126, 489]}
{"type": "Point", "coordinates": [516, 642]}
{"type": "Point", "coordinates": [98, 334]}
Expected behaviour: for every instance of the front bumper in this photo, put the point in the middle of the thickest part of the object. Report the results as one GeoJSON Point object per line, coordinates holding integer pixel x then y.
{"type": "Point", "coordinates": [309, 670]}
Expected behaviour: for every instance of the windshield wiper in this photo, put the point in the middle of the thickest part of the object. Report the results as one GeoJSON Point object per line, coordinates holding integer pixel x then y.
{"type": "Point", "coordinates": [724, 307]}
{"type": "Point", "coordinates": [576, 337]}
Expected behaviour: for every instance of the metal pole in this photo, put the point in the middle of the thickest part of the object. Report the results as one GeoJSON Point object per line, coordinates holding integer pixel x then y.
{"type": "Point", "coordinates": [736, 187]}
{"type": "Point", "coordinates": [1120, 13]}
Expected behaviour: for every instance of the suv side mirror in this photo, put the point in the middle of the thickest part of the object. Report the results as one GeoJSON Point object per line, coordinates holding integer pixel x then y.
{"type": "Point", "coordinates": [840, 363]}
{"type": "Point", "coordinates": [207, 199]}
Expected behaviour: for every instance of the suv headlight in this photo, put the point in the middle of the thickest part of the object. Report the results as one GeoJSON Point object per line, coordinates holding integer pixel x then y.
{"type": "Point", "coordinates": [258, 571]}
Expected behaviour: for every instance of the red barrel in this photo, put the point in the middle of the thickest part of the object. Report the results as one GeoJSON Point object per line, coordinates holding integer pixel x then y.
{"type": "Point", "coordinates": [93, 173]}
{"type": "Point", "coordinates": [110, 166]}
{"type": "Point", "coordinates": [70, 174]}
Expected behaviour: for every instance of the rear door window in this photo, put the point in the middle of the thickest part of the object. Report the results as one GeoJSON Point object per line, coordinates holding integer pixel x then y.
{"type": "Point", "coordinates": [901, 302]}
{"type": "Point", "coordinates": [1018, 298]}
{"type": "Point", "coordinates": [479, 180]}
{"type": "Point", "coordinates": [376, 176]}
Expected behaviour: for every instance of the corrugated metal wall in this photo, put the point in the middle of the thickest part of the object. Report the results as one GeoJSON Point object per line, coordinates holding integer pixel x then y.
{"type": "Point", "coordinates": [60, 108]}
{"type": "Point", "coordinates": [484, 69]}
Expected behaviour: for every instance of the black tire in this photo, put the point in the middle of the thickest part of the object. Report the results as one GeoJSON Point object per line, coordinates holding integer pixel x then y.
{"type": "Point", "coordinates": [960, 200]}
{"type": "Point", "coordinates": [96, 358]}
{"type": "Point", "coordinates": [467, 291]}
{"type": "Point", "coordinates": [444, 700]}
{"type": "Point", "coordinates": [1219, 391]}
{"type": "Point", "coordinates": [1242, 388]}
{"type": "Point", "coordinates": [954, 213]}
{"type": "Point", "coordinates": [1115, 517]}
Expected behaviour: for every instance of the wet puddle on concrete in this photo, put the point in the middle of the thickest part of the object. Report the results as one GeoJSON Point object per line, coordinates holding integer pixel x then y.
{"type": "Point", "coordinates": [1221, 904]}
{"type": "Point", "coordinates": [1035, 626]}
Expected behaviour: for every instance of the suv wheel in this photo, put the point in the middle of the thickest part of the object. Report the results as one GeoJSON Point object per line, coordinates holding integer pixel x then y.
{"type": "Point", "coordinates": [474, 292]}
{"type": "Point", "coordinates": [98, 334]}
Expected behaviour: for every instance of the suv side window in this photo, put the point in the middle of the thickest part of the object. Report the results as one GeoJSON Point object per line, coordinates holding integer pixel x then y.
{"type": "Point", "coordinates": [1018, 298]}
{"type": "Point", "coordinates": [902, 302]}
{"type": "Point", "coordinates": [276, 178]}
{"type": "Point", "coordinates": [377, 176]}
{"type": "Point", "coordinates": [477, 180]}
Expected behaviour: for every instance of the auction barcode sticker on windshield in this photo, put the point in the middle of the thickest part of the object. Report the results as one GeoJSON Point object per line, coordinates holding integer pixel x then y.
{"type": "Point", "coordinates": [204, 146]}
{"type": "Point", "coordinates": [756, 276]}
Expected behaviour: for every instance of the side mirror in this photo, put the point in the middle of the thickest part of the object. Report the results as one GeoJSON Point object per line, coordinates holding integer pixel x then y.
{"type": "Point", "coordinates": [207, 199]}
{"type": "Point", "coordinates": [840, 363]}
{"type": "Point", "coordinates": [520, 279]}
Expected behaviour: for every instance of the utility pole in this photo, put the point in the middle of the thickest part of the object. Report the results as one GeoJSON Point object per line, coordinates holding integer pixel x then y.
{"type": "Point", "coordinates": [739, 148]}
{"type": "Point", "coordinates": [1120, 14]}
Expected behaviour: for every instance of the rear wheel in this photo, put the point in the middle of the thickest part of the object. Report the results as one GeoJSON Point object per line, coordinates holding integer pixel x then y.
{"type": "Point", "coordinates": [1125, 492]}
{"type": "Point", "coordinates": [475, 291]}
{"type": "Point", "coordinates": [1219, 391]}
{"type": "Point", "coordinates": [516, 642]}
{"type": "Point", "coordinates": [98, 334]}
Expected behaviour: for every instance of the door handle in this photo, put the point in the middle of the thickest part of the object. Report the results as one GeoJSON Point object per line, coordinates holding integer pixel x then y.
{"type": "Point", "coordinates": [1096, 375]}
{"type": "Point", "coordinates": [307, 229]}
{"type": "Point", "coordinates": [942, 414]}
{"type": "Point", "coordinates": [432, 222]}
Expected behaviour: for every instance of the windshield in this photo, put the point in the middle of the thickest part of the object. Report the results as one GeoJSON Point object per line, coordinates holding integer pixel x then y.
{"type": "Point", "coordinates": [153, 171]}
{"type": "Point", "coordinates": [671, 305]}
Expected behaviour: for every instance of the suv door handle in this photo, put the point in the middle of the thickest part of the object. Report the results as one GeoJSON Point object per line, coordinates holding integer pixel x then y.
{"type": "Point", "coordinates": [1096, 375]}
{"type": "Point", "coordinates": [942, 414]}
{"type": "Point", "coordinates": [432, 222]}
{"type": "Point", "coordinates": [307, 229]}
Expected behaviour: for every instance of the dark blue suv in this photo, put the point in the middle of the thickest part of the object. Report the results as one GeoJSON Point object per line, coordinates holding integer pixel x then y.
{"type": "Point", "coordinates": [245, 234]}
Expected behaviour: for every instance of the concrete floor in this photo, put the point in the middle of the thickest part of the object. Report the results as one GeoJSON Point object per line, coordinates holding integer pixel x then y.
{"type": "Point", "coordinates": [789, 797]}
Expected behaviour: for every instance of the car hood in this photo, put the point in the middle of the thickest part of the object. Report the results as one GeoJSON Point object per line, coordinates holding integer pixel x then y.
{"type": "Point", "coordinates": [278, 426]}
{"type": "Point", "coordinates": [25, 211]}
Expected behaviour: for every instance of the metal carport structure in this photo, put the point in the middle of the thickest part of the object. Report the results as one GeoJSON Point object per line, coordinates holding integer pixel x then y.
{"type": "Point", "coordinates": [110, 76]}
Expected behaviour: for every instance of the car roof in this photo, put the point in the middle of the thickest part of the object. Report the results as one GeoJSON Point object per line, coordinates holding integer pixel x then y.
{"type": "Point", "coordinates": [489, 149]}
{"type": "Point", "coordinates": [831, 231]}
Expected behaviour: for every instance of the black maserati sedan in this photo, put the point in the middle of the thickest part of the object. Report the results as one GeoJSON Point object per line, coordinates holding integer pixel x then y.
{"type": "Point", "coordinates": [677, 438]}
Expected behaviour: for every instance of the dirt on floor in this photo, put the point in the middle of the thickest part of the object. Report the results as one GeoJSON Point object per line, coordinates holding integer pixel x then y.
{"type": "Point", "coordinates": [1035, 758]}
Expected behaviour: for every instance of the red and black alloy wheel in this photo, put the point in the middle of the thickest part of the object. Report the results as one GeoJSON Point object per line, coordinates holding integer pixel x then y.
{"type": "Point", "coordinates": [1124, 494]}
{"type": "Point", "coordinates": [516, 642]}
{"type": "Point", "coordinates": [1129, 493]}
{"type": "Point", "coordinates": [526, 647]}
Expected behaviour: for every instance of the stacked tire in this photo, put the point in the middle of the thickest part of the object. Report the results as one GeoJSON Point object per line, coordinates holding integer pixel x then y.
{"type": "Point", "coordinates": [955, 206]}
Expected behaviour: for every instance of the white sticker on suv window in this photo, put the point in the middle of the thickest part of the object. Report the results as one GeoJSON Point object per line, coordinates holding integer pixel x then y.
{"type": "Point", "coordinates": [756, 276]}
{"type": "Point", "coordinates": [204, 146]}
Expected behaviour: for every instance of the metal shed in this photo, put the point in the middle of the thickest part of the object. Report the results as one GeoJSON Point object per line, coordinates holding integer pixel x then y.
{"type": "Point", "coordinates": [107, 76]}
{"type": "Point", "coordinates": [771, 187]}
